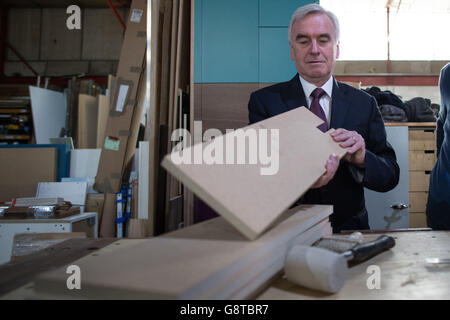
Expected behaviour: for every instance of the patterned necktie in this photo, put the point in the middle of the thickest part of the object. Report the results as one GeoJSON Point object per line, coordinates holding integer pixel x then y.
{"type": "Point", "coordinates": [317, 109]}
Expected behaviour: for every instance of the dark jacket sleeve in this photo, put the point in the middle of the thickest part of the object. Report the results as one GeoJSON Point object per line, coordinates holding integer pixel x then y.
{"type": "Point", "coordinates": [442, 111]}
{"type": "Point", "coordinates": [382, 171]}
{"type": "Point", "coordinates": [256, 110]}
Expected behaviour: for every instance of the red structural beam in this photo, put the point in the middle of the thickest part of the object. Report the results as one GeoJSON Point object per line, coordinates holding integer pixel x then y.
{"type": "Point", "coordinates": [113, 8]}
{"type": "Point", "coordinates": [391, 80]}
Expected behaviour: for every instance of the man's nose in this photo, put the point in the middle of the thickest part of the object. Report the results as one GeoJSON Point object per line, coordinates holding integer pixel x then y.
{"type": "Point", "coordinates": [314, 47]}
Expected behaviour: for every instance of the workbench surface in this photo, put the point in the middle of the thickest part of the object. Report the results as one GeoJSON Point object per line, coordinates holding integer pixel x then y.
{"type": "Point", "coordinates": [404, 273]}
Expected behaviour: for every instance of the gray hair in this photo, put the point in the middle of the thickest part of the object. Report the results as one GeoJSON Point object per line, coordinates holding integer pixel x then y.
{"type": "Point", "coordinates": [302, 12]}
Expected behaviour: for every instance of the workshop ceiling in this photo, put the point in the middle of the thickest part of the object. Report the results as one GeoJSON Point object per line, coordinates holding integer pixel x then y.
{"type": "Point", "coordinates": [59, 3]}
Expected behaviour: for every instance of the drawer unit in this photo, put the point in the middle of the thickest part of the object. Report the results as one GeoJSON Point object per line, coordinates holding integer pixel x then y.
{"type": "Point", "coordinates": [422, 157]}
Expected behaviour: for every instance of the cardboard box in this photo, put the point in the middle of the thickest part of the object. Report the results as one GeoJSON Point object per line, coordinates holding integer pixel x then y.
{"type": "Point", "coordinates": [124, 99]}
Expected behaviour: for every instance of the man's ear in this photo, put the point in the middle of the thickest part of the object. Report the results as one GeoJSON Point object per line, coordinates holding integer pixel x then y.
{"type": "Point", "coordinates": [337, 50]}
{"type": "Point", "coordinates": [292, 54]}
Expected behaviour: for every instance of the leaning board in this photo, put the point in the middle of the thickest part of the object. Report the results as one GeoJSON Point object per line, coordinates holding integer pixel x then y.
{"type": "Point", "coordinates": [247, 199]}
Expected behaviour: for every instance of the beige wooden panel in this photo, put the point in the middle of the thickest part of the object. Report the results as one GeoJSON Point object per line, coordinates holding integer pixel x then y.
{"type": "Point", "coordinates": [241, 193]}
{"type": "Point", "coordinates": [418, 201]}
{"type": "Point", "coordinates": [421, 161]}
{"type": "Point", "coordinates": [417, 220]}
{"type": "Point", "coordinates": [87, 121]}
{"type": "Point", "coordinates": [419, 181]}
{"type": "Point", "coordinates": [194, 262]}
{"type": "Point", "coordinates": [22, 169]}
{"type": "Point", "coordinates": [421, 140]}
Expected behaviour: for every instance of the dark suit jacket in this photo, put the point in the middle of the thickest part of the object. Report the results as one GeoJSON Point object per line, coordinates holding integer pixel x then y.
{"type": "Point", "coordinates": [351, 109]}
{"type": "Point", "coordinates": [438, 205]}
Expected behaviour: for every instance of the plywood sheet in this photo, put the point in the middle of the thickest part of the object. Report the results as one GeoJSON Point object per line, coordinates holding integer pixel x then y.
{"type": "Point", "coordinates": [240, 193]}
{"type": "Point", "coordinates": [87, 121]}
{"type": "Point", "coordinates": [184, 264]}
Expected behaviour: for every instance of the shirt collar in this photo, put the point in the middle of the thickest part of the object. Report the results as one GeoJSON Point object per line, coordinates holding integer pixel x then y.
{"type": "Point", "coordinates": [308, 88]}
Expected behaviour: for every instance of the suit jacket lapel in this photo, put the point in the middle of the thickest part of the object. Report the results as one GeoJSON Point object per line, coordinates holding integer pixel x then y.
{"type": "Point", "coordinates": [339, 106]}
{"type": "Point", "coordinates": [294, 96]}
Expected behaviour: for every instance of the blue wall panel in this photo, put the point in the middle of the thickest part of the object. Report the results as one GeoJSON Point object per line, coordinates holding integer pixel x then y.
{"type": "Point", "coordinates": [198, 53]}
{"type": "Point", "coordinates": [229, 41]}
{"type": "Point", "coordinates": [276, 13]}
{"type": "Point", "coordinates": [275, 62]}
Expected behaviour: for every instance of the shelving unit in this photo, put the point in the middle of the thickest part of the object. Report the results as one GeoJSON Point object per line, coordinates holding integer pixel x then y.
{"type": "Point", "coordinates": [15, 121]}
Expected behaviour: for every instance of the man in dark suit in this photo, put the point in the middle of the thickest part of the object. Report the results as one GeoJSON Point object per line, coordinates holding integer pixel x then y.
{"type": "Point", "coordinates": [438, 205]}
{"type": "Point", "coordinates": [370, 160]}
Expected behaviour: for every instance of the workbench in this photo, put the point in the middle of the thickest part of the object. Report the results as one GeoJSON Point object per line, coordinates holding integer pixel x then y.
{"type": "Point", "coordinates": [403, 274]}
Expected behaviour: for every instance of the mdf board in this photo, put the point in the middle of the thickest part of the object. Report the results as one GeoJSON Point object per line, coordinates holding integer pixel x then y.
{"type": "Point", "coordinates": [252, 196]}
{"type": "Point", "coordinates": [87, 121]}
{"type": "Point", "coordinates": [187, 264]}
{"type": "Point", "coordinates": [49, 113]}
{"type": "Point", "coordinates": [23, 168]}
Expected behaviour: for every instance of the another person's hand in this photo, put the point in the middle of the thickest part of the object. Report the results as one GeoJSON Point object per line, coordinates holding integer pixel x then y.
{"type": "Point", "coordinates": [356, 154]}
{"type": "Point", "coordinates": [331, 166]}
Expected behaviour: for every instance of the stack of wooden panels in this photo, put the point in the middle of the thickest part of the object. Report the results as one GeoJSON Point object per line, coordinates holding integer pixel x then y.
{"type": "Point", "coordinates": [210, 260]}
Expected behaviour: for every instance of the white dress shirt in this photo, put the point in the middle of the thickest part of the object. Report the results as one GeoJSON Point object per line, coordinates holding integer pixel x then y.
{"type": "Point", "coordinates": [324, 101]}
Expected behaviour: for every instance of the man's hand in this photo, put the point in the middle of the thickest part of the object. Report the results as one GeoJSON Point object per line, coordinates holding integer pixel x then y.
{"type": "Point", "coordinates": [331, 166]}
{"type": "Point", "coordinates": [356, 154]}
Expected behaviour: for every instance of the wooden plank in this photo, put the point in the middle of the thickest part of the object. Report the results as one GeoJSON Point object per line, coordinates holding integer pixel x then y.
{"type": "Point", "coordinates": [419, 181]}
{"type": "Point", "coordinates": [170, 184]}
{"type": "Point", "coordinates": [229, 189]}
{"type": "Point", "coordinates": [421, 160]}
{"type": "Point", "coordinates": [188, 209]}
{"type": "Point", "coordinates": [87, 121]}
{"type": "Point", "coordinates": [103, 111]}
{"type": "Point", "coordinates": [143, 180]}
{"type": "Point", "coordinates": [411, 124]}
{"type": "Point", "coordinates": [418, 201]}
{"type": "Point", "coordinates": [153, 118]}
{"type": "Point", "coordinates": [184, 264]}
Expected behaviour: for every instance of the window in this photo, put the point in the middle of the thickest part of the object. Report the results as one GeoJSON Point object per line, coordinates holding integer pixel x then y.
{"type": "Point", "coordinates": [417, 29]}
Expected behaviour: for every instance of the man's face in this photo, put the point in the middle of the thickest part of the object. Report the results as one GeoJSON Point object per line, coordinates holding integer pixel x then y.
{"type": "Point", "coordinates": [314, 48]}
